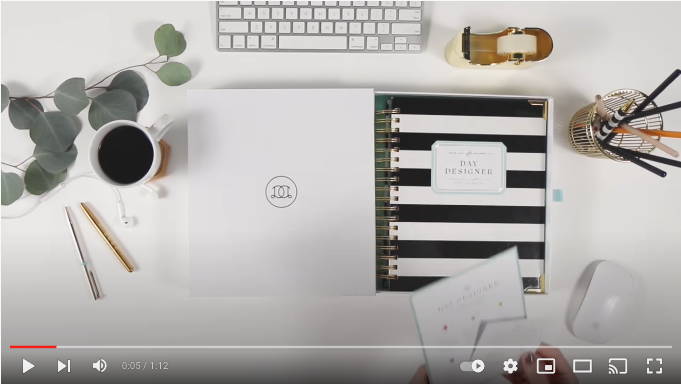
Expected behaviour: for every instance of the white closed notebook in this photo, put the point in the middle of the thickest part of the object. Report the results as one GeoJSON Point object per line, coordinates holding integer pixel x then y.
{"type": "Point", "coordinates": [455, 311]}
{"type": "Point", "coordinates": [281, 192]}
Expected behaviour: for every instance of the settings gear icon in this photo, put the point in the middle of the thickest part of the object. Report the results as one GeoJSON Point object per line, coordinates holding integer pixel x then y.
{"type": "Point", "coordinates": [510, 366]}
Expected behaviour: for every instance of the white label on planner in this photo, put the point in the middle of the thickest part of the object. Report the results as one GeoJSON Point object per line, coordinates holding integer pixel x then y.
{"type": "Point", "coordinates": [468, 167]}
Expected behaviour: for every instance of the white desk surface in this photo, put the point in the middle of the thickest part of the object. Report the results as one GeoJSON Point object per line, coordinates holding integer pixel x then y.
{"type": "Point", "coordinates": [611, 211]}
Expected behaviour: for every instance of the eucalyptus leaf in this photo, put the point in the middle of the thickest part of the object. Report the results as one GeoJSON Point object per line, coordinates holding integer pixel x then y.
{"type": "Point", "coordinates": [39, 181]}
{"type": "Point", "coordinates": [132, 82]}
{"type": "Point", "coordinates": [5, 97]}
{"type": "Point", "coordinates": [174, 73]}
{"type": "Point", "coordinates": [70, 96]}
{"type": "Point", "coordinates": [23, 111]}
{"type": "Point", "coordinates": [54, 131]}
{"type": "Point", "coordinates": [12, 187]}
{"type": "Point", "coordinates": [169, 42]}
{"type": "Point", "coordinates": [55, 162]}
{"type": "Point", "coordinates": [116, 104]}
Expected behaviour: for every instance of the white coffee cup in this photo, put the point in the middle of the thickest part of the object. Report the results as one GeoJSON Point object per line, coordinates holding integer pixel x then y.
{"type": "Point", "coordinates": [153, 133]}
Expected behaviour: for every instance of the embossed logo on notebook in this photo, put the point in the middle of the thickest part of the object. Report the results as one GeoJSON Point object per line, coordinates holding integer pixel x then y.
{"type": "Point", "coordinates": [281, 191]}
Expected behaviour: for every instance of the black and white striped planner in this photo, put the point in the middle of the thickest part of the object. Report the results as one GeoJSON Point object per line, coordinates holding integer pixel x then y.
{"type": "Point", "coordinates": [434, 234]}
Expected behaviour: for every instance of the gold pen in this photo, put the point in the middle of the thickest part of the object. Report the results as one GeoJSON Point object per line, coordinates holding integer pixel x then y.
{"type": "Point", "coordinates": [107, 239]}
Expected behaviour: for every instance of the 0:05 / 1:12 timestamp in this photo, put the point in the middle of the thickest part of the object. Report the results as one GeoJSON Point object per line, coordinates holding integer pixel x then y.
{"type": "Point", "coordinates": [143, 365]}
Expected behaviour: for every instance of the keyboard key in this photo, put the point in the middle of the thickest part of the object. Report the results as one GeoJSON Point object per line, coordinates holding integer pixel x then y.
{"type": "Point", "coordinates": [376, 14]}
{"type": "Point", "coordinates": [383, 28]}
{"type": "Point", "coordinates": [268, 42]}
{"type": "Point", "coordinates": [232, 13]}
{"type": "Point", "coordinates": [355, 28]}
{"type": "Point", "coordinates": [372, 3]}
{"type": "Point", "coordinates": [327, 27]}
{"type": "Point", "coordinates": [239, 41]}
{"type": "Point", "coordinates": [284, 27]}
{"type": "Point", "coordinates": [299, 27]}
{"type": "Point", "coordinates": [406, 28]}
{"type": "Point", "coordinates": [320, 13]}
{"type": "Point", "coordinates": [356, 42]}
{"type": "Point", "coordinates": [401, 3]}
{"type": "Point", "coordinates": [410, 14]}
{"type": "Point", "coordinates": [301, 3]}
{"type": "Point", "coordinates": [270, 27]}
{"type": "Point", "coordinates": [260, 2]}
{"type": "Point", "coordinates": [277, 13]}
{"type": "Point", "coordinates": [306, 13]}
{"type": "Point", "coordinates": [249, 13]}
{"type": "Point", "coordinates": [228, 2]}
{"type": "Point", "coordinates": [233, 27]}
{"type": "Point", "coordinates": [414, 3]}
{"type": "Point", "coordinates": [292, 13]}
{"type": "Point", "coordinates": [390, 14]}
{"type": "Point", "coordinates": [312, 27]}
{"type": "Point", "coordinates": [345, 3]}
{"type": "Point", "coordinates": [263, 13]}
{"type": "Point", "coordinates": [313, 42]}
{"type": "Point", "coordinates": [359, 3]}
{"type": "Point", "coordinates": [400, 40]}
{"type": "Point", "coordinates": [316, 3]}
{"type": "Point", "coordinates": [245, 3]}
{"type": "Point", "coordinates": [253, 42]}
{"type": "Point", "coordinates": [362, 14]}
{"type": "Point", "coordinates": [274, 2]}
{"type": "Point", "coordinates": [225, 41]}
{"type": "Point", "coordinates": [414, 47]}
{"type": "Point", "coordinates": [256, 26]}
{"type": "Point", "coordinates": [372, 43]}
{"type": "Point", "coordinates": [341, 28]}
{"type": "Point", "coordinates": [369, 28]}
{"type": "Point", "coordinates": [348, 14]}
{"type": "Point", "coordinates": [334, 14]}
{"type": "Point", "coordinates": [330, 3]}
{"type": "Point", "coordinates": [386, 47]}
{"type": "Point", "coordinates": [400, 47]}
{"type": "Point", "coordinates": [387, 3]}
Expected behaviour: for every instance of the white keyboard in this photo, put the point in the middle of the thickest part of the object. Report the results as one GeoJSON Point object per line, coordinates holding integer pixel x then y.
{"type": "Point", "coordinates": [320, 26]}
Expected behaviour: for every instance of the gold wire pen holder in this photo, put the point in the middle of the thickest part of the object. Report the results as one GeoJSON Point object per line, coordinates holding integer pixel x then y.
{"type": "Point", "coordinates": [585, 124]}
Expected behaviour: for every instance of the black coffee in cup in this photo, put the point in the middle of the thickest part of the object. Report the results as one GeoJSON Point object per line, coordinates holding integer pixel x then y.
{"type": "Point", "coordinates": [125, 154]}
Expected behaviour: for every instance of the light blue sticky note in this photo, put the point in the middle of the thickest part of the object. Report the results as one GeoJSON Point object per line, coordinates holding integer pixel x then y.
{"type": "Point", "coordinates": [557, 195]}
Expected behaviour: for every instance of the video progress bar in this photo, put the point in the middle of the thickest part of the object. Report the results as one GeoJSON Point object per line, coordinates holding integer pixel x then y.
{"type": "Point", "coordinates": [337, 346]}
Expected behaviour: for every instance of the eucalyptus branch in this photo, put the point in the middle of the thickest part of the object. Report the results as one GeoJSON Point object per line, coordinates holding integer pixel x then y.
{"type": "Point", "coordinates": [95, 85]}
{"type": "Point", "coordinates": [121, 70]}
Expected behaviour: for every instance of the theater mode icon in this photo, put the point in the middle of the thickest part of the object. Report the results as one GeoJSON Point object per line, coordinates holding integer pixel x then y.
{"type": "Point", "coordinates": [582, 366]}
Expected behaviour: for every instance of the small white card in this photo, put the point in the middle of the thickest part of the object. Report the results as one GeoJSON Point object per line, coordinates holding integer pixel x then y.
{"type": "Point", "coordinates": [468, 167]}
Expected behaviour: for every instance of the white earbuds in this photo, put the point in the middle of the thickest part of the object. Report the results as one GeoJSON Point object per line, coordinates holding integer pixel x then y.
{"type": "Point", "coordinates": [127, 221]}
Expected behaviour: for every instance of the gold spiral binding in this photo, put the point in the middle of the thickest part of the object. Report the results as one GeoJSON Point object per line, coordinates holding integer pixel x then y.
{"type": "Point", "coordinates": [388, 111]}
{"type": "Point", "coordinates": [387, 153]}
{"type": "Point", "coordinates": [388, 130]}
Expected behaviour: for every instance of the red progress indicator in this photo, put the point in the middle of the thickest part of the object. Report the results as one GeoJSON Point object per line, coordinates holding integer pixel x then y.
{"type": "Point", "coordinates": [32, 346]}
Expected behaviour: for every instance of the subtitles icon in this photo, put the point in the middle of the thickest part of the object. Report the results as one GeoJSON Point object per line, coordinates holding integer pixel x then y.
{"type": "Point", "coordinates": [546, 366]}
{"type": "Point", "coordinates": [617, 366]}
{"type": "Point", "coordinates": [582, 366]}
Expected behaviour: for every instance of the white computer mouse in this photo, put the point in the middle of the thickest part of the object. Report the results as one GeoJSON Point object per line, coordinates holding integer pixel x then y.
{"type": "Point", "coordinates": [604, 303]}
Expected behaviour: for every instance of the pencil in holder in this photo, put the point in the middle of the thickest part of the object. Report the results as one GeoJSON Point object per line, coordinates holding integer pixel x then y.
{"type": "Point", "coordinates": [585, 124]}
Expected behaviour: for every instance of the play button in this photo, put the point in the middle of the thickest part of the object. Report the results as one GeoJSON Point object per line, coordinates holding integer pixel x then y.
{"type": "Point", "coordinates": [26, 365]}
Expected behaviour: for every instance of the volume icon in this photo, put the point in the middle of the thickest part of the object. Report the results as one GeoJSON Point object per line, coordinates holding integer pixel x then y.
{"type": "Point", "coordinates": [99, 365]}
